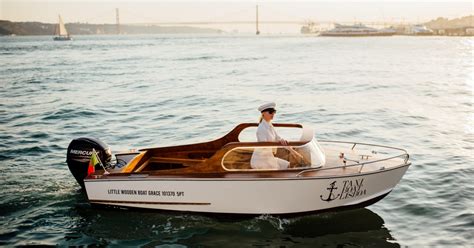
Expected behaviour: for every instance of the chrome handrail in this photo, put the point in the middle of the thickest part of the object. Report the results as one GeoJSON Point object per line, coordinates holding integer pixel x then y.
{"type": "Point", "coordinates": [405, 154]}
{"type": "Point", "coordinates": [359, 143]}
{"type": "Point", "coordinates": [358, 164]}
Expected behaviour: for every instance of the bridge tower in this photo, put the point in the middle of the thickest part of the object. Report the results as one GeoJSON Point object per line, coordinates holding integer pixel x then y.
{"type": "Point", "coordinates": [256, 21]}
{"type": "Point", "coordinates": [117, 20]}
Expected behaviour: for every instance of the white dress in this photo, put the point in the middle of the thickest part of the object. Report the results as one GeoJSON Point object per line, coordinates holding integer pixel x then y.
{"type": "Point", "coordinates": [262, 158]}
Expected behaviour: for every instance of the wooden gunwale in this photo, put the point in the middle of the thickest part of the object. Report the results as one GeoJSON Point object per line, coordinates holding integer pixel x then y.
{"type": "Point", "coordinates": [234, 176]}
{"type": "Point", "coordinates": [203, 167]}
{"type": "Point", "coordinates": [216, 149]}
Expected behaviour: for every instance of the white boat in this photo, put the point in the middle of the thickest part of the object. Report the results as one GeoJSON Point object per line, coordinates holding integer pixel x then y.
{"type": "Point", "coordinates": [356, 30]}
{"type": "Point", "coordinates": [217, 177]}
{"type": "Point", "coordinates": [310, 28]}
{"type": "Point", "coordinates": [61, 32]}
{"type": "Point", "coordinates": [420, 30]}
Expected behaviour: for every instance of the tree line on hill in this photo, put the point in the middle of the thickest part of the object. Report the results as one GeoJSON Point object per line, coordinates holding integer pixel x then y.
{"type": "Point", "coordinates": [39, 28]}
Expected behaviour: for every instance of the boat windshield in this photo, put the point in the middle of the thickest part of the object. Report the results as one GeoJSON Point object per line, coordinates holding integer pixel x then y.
{"type": "Point", "coordinates": [244, 158]}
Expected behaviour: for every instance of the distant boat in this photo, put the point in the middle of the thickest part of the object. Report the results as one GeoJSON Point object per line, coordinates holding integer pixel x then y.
{"type": "Point", "coordinates": [357, 30]}
{"type": "Point", "coordinates": [61, 31]}
{"type": "Point", "coordinates": [309, 28]}
{"type": "Point", "coordinates": [420, 30]}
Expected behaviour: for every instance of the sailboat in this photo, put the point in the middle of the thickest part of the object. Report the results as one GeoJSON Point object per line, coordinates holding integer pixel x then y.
{"type": "Point", "coordinates": [61, 31]}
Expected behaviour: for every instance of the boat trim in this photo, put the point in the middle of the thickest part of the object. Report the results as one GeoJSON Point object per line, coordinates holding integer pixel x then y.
{"type": "Point", "coordinates": [151, 178]}
{"type": "Point", "coordinates": [144, 202]}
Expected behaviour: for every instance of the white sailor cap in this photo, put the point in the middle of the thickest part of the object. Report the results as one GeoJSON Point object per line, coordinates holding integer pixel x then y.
{"type": "Point", "coordinates": [269, 105]}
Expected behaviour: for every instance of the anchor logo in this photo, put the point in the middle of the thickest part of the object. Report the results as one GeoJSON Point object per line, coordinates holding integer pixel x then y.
{"type": "Point", "coordinates": [330, 196]}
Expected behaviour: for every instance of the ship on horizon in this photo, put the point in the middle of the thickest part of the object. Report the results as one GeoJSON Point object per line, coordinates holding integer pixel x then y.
{"type": "Point", "coordinates": [356, 30]}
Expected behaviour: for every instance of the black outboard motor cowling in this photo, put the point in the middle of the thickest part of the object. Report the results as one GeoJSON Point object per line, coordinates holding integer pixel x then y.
{"type": "Point", "coordinates": [79, 153]}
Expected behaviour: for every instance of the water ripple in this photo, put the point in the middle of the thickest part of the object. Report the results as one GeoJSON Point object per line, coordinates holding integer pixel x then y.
{"type": "Point", "coordinates": [140, 91]}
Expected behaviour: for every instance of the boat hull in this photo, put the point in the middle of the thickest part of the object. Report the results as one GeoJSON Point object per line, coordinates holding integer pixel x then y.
{"type": "Point", "coordinates": [330, 34]}
{"type": "Point", "coordinates": [245, 195]}
{"type": "Point", "coordinates": [62, 38]}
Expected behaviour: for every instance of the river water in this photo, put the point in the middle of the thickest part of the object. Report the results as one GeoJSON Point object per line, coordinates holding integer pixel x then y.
{"type": "Point", "coordinates": [141, 91]}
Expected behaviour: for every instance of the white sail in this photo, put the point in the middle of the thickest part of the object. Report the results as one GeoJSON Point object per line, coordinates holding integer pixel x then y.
{"type": "Point", "coordinates": [62, 28]}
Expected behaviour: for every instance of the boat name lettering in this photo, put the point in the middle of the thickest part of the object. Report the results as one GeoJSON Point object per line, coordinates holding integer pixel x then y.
{"type": "Point", "coordinates": [352, 188]}
{"type": "Point", "coordinates": [145, 192]}
{"type": "Point", "coordinates": [349, 189]}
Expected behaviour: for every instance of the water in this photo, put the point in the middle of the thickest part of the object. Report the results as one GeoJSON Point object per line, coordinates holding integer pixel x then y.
{"type": "Point", "coordinates": [141, 91]}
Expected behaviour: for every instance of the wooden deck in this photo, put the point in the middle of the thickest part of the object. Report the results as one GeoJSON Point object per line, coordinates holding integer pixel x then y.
{"type": "Point", "coordinates": [333, 160]}
{"type": "Point", "coordinates": [228, 158]}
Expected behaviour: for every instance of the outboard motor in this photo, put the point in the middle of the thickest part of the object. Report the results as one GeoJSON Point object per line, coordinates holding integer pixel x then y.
{"type": "Point", "coordinates": [79, 153]}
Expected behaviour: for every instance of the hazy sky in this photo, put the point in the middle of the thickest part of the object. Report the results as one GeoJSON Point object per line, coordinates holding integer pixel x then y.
{"type": "Point", "coordinates": [103, 11]}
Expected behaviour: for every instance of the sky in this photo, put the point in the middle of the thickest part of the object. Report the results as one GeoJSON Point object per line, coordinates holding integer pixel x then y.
{"type": "Point", "coordinates": [146, 11]}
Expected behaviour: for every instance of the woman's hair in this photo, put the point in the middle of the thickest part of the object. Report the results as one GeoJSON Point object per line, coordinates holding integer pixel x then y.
{"type": "Point", "coordinates": [261, 118]}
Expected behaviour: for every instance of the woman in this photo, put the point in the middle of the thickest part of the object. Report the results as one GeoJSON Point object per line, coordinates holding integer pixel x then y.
{"type": "Point", "coordinates": [262, 158]}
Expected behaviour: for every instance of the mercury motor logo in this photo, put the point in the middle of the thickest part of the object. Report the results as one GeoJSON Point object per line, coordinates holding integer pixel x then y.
{"type": "Point", "coordinates": [80, 152]}
{"type": "Point", "coordinates": [350, 189]}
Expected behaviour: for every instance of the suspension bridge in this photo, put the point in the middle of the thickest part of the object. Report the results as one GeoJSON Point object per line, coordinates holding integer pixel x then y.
{"type": "Point", "coordinates": [255, 21]}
